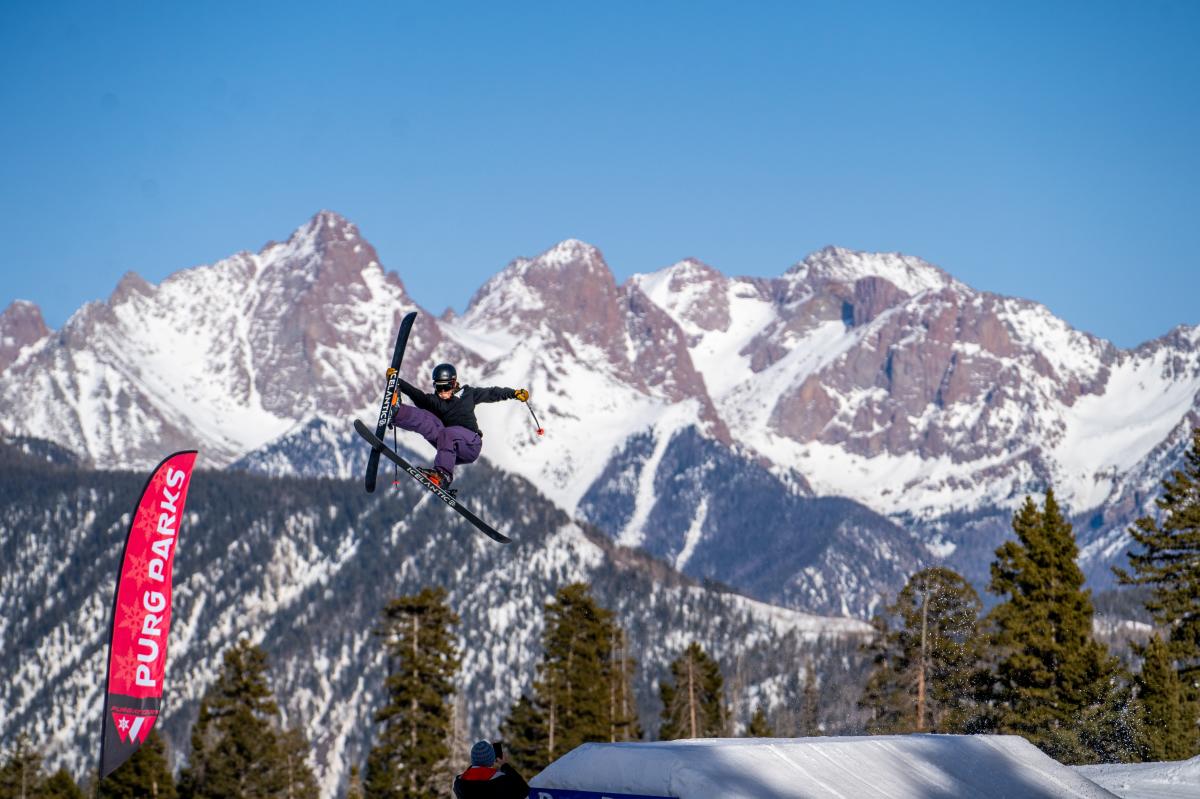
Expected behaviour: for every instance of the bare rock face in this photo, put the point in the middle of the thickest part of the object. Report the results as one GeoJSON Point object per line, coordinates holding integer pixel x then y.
{"type": "Point", "coordinates": [568, 302]}
{"type": "Point", "coordinates": [21, 324]}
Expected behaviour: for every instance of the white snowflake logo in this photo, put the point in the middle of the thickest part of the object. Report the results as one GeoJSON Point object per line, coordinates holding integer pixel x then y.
{"type": "Point", "coordinates": [123, 723]}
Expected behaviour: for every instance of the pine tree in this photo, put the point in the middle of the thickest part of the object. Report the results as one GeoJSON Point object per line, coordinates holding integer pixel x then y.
{"type": "Point", "coordinates": [694, 700]}
{"type": "Point", "coordinates": [1054, 684]}
{"type": "Point", "coordinates": [810, 702]}
{"type": "Point", "coordinates": [145, 774]}
{"type": "Point", "coordinates": [60, 785]}
{"type": "Point", "coordinates": [412, 758]}
{"type": "Point", "coordinates": [297, 778]}
{"type": "Point", "coordinates": [21, 774]}
{"type": "Point", "coordinates": [524, 732]}
{"type": "Point", "coordinates": [1164, 727]}
{"type": "Point", "coordinates": [1170, 564]}
{"type": "Point", "coordinates": [622, 711]}
{"type": "Point", "coordinates": [927, 666]}
{"type": "Point", "coordinates": [759, 727]}
{"type": "Point", "coordinates": [354, 790]}
{"type": "Point", "coordinates": [575, 676]}
{"type": "Point", "coordinates": [238, 748]}
{"type": "Point", "coordinates": [583, 689]}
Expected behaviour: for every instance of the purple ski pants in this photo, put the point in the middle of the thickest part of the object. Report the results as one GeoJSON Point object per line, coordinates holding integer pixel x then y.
{"type": "Point", "coordinates": [454, 445]}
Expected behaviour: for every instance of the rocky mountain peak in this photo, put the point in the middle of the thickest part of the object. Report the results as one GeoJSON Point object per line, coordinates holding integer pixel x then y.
{"type": "Point", "coordinates": [569, 288]}
{"type": "Point", "coordinates": [130, 284]}
{"type": "Point", "coordinates": [692, 291]}
{"type": "Point", "coordinates": [326, 228]}
{"type": "Point", "coordinates": [909, 274]}
{"type": "Point", "coordinates": [21, 324]}
{"type": "Point", "coordinates": [324, 264]}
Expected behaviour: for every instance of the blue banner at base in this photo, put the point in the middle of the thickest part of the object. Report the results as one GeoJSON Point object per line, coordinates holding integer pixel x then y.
{"type": "Point", "coordinates": [564, 793]}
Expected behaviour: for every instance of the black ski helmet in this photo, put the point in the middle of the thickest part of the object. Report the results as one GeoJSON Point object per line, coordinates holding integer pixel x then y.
{"type": "Point", "coordinates": [444, 376]}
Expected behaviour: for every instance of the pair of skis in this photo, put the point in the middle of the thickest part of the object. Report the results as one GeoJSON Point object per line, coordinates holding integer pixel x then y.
{"type": "Point", "coordinates": [378, 447]}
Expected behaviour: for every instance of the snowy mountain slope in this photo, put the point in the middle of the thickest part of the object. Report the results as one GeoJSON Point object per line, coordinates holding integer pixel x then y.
{"type": "Point", "coordinates": [876, 377]}
{"type": "Point", "coordinates": [762, 536]}
{"type": "Point", "coordinates": [882, 379]}
{"type": "Point", "coordinates": [303, 567]}
{"type": "Point", "coordinates": [720, 517]}
{"type": "Point", "coordinates": [226, 356]}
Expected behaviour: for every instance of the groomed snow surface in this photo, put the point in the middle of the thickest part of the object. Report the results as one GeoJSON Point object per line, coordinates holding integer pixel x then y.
{"type": "Point", "coordinates": [1148, 780]}
{"type": "Point", "coordinates": [883, 766]}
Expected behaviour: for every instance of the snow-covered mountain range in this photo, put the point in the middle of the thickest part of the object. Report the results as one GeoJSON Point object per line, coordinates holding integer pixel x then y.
{"type": "Point", "coordinates": [304, 567]}
{"type": "Point", "coordinates": [877, 378]}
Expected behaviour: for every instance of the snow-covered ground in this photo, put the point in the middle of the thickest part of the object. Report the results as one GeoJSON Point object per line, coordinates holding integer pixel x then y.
{"type": "Point", "coordinates": [1179, 780]}
{"type": "Point", "coordinates": [883, 766]}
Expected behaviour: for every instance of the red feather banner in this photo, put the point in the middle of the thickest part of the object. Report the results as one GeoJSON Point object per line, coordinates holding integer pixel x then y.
{"type": "Point", "coordinates": [137, 655]}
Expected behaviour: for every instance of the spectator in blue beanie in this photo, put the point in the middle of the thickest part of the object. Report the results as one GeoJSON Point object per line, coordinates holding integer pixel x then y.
{"type": "Point", "coordinates": [489, 777]}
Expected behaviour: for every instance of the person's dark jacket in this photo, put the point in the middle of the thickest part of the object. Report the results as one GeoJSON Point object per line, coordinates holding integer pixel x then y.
{"type": "Point", "coordinates": [482, 782]}
{"type": "Point", "coordinates": [459, 410]}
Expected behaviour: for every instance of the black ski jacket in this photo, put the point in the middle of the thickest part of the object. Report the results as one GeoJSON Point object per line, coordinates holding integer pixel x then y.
{"type": "Point", "coordinates": [459, 410]}
{"type": "Point", "coordinates": [479, 782]}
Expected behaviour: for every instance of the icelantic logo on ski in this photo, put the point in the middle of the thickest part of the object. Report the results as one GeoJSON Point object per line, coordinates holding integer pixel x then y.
{"type": "Point", "coordinates": [385, 411]}
{"type": "Point", "coordinates": [432, 486]}
{"type": "Point", "coordinates": [389, 395]}
{"type": "Point", "coordinates": [378, 446]}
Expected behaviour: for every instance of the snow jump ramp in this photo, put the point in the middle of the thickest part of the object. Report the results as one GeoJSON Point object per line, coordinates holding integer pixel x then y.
{"type": "Point", "coordinates": [883, 766]}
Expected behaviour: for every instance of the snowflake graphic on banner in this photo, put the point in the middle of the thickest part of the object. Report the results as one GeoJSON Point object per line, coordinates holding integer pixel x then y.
{"type": "Point", "coordinates": [146, 523]}
{"type": "Point", "coordinates": [125, 669]}
{"type": "Point", "coordinates": [129, 621]}
{"type": "Point", "coordinates": [139, 570]}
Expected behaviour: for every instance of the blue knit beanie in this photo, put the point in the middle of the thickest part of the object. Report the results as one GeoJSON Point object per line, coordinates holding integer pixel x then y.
{"type": "Point", "coordinates": [482, 754]}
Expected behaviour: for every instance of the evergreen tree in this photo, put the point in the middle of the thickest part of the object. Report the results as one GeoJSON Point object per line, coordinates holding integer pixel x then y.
{"type": "Point", "coordinates": [583, 690]}
{"type": "Point", "coordinates": [238, 748]}
{"type": "Point", "coordinates": [145, 774]}
{"type": "Point", "coordinates": [576, 672]}
{"type": "Point", "coordinates": [926, 668]}
{"type": "Point", "coordinates": [1164, 726]}
{"type": "Point", "coordinates": [21, 775]}
{"type": "Point", "coordinates": [297, 777]}
{"type": "Point", "coordinates": [622, 711]}
{"type": "Point", "coordinates": [810, 702]}
{"type": "Point", "coordinates": [60, 785]}
{"type": "Point", "coordinates": [354, 790]}
{"type": "Point", "coordinates": [1054, 684]}
{"type": "Point", "coordinates": [412, 758]}
{"type": "Point", "coordinates": [1170, 564]}
{"type": "Point", "coordinates": [525, 739]}
{"type": "Point", "coordinates": [759, 727]}
{"type": "Point", "coordinates": [694, 700]}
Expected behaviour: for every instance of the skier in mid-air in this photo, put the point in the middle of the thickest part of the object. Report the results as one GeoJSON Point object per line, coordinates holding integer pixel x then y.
{"type": "Point", "coordinates": [447, 421]}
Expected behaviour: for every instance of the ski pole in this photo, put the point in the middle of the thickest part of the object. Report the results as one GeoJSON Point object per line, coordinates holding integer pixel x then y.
{"type": "Point", "coordinates": [541, 431]}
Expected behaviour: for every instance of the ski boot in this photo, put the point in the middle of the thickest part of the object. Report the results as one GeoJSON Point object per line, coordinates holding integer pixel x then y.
{"type": "Point", "coordinates": [439, 479]}
{"type": "Point", "coordinates": [395, 406]}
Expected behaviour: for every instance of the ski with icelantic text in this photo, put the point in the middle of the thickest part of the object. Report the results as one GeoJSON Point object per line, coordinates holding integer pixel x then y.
{"type": "Point", "coordinates": [377, 445]}
{"type": "Point", "coordinates": [389, 395]}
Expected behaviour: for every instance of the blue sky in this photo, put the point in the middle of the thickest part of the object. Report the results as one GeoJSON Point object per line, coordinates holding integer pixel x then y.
{"type": "Point", "coordinates": [1045, 150]}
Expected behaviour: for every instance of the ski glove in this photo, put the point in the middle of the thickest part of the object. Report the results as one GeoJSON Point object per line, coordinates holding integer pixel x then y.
{"type": "Point", "coordinates": [521, 394]}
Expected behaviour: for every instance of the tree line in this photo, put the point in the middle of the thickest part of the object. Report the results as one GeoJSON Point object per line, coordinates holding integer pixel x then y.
{"type": "Point", "coordinates": [1030, 666]}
